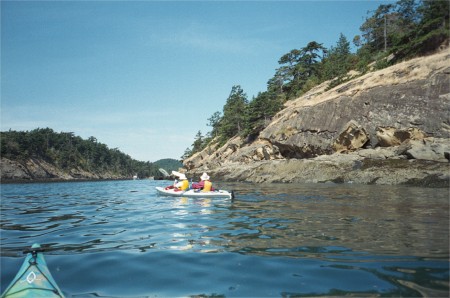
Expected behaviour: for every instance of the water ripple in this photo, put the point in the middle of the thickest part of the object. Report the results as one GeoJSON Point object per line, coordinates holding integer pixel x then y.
{"type": "Point", "coordinates": [121, 239]}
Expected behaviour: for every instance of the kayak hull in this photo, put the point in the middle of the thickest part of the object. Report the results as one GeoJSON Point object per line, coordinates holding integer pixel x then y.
{"type": "Point", "coordinates": [33, 279]}
{"type": "Point", "coordinates": [194, 194]}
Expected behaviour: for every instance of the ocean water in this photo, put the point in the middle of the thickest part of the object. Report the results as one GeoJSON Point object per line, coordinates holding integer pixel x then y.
{"type": "Point", "coordinates": [120, 239]}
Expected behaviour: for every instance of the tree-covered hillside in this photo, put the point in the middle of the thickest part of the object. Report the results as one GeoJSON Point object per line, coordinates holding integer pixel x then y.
{"type": "Point", "coordinates": [390, 34]}
{"type": "Point", "coordinates": [168, 164]}
{"type": "Point", "coordinates": [67, 151]}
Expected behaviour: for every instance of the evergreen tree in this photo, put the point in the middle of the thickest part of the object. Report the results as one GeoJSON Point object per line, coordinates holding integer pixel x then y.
{"type": "Point", "coordinates": [299, 66]}
{"type": "Point", "coordinates": [260, 111]}
{"type": "Point", "coordinates": [234, 114]}
{"type": "Point", "coordinates": [187, 153]}
{"type": "Point", "coordinates": [338, 60]}
{"type": "Point", "coordinates": [376, 28]}
{"type": "Point", "coordinates": [198, 143]}
{"type": "Point", "coordinates": [407, 19]}
{"type": "Point", "coordinates": [214, 122]}
{"type": "Point", "coordinates": [407, 28]}
{"type": "Point", "coordinates": [433, 28]}
{"type": "Point", "coordinates": [287, 74]}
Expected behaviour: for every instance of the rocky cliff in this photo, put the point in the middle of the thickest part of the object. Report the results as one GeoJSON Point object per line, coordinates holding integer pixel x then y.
{"type": "Point", "coordinates": [40, 170]}
{"type": "Point", "coordinates": [387, 127]}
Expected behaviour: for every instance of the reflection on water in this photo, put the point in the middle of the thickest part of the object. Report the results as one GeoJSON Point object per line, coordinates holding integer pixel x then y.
{"type": "Point", "coordinates": [389, 240]}
{"type": "Point", "coordinates": [387, 222]}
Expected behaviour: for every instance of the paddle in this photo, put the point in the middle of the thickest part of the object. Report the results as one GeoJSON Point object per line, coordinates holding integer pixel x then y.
{"type": "Point", "coordinates": [164, 172]}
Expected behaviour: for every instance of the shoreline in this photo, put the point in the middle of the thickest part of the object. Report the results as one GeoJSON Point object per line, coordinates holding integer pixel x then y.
{"type": "Point", "coordinates": [57, 180]}
{"type": "Point", "coordinates": [363, 171]}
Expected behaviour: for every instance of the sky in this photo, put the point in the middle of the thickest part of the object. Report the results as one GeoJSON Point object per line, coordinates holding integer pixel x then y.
{"type": "Point", "coordinates": [145, 76]}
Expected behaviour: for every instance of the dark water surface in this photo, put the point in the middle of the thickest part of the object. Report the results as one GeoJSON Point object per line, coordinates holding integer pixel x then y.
{"type": "Point", "coordinates": [120, 239]}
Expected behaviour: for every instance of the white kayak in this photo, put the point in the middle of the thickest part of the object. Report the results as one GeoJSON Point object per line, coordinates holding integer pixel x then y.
{"type": "Point", "coordinates": [192, 193]}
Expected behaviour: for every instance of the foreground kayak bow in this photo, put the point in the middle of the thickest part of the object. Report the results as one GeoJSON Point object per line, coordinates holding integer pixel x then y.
{"type": "Point", "coordinates": [34, 278]}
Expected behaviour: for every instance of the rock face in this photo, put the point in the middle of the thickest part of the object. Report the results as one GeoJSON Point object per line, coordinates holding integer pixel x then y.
{"type": "Point", "coordinates": [374, 110]}
{"type": "Point", "coordinates": [39, 170]}
{"type": "Point", "coordinates": [404, 109]}
{"type": "Point", "coordinates": [373, 166]}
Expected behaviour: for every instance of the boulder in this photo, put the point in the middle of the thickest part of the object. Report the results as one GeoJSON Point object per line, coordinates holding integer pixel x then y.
{"type": "Point", "coordinates": [259, 150]}
{"type": "Point", "coordinates": [426, 149]}
{"type": "Point", "coordinates": [391, 136]}
{"type": "Point", "coordinates": [353, 137]}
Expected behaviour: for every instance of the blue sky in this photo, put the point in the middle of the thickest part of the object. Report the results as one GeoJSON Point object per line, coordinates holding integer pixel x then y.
{"type": "Point", "coordinates": [144, 76]}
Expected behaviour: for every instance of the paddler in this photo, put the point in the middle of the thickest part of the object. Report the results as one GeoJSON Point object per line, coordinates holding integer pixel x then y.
{"type": "Point", "coordinates": [205, 184]}
{"type": "Point", "coordinates": [181, 185]}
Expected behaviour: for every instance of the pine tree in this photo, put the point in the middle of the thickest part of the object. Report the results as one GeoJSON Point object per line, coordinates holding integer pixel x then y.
{"type": "Point", "coordinates": [260, 111]}
{"type": "Point", "coordinates": [214, 122]}
{"type": "Point", "coordinates": [198, 143]}
{"type": "Point", "coordinates": [234, 114]}
{"type": "Point", "coordinates": [338, 60]}
{"type": "Point", "coordinates": [298, 67]}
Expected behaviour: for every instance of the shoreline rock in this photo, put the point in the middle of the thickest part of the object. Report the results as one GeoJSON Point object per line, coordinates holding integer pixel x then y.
{"type": "Point", "coordinates": [339, 168]}
{"type": "Point", "coordinates": [35, 170]}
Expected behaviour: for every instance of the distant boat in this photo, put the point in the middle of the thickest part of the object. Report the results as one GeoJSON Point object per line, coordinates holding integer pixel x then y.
{"type": "Point", "coordinates": [135, 177]}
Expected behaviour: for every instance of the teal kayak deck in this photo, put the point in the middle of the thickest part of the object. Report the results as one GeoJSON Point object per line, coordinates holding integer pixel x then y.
{"type": "Point", "coordinates": [34, 278]}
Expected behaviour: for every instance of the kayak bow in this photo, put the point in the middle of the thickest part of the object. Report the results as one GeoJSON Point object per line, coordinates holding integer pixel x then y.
{"type": "Point", "coordinates": [34, 278]}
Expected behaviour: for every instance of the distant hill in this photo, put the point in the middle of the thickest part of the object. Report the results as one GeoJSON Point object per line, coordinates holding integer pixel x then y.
{"type": "Point", "coordinates": [168, 164]}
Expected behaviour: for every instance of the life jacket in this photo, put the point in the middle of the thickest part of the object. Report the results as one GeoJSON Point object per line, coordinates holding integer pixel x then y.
{"type": "Point", "coordinates": [207, 186]}
{"type": "Point", "coordinates": [185, 184]}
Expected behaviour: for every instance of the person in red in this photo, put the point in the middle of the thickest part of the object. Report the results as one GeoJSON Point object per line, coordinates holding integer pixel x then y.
{"type": "Point", "coordinates": [204, 185]}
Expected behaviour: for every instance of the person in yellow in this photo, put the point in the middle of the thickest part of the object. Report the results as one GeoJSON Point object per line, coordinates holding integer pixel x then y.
{"type": "Point", "coordinates": [181, 185]}
{"type": "Point", "coordinates": [204, 185]}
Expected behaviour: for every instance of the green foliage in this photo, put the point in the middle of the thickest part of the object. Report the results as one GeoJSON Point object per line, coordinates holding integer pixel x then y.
{"type": "Point", "coordinates": [234, 117]}
{"type": "Point", "coordinates": [364, 58]}
{"type": "Point", "coordinates": [407, 29]}
{"type": "Point", "coordinates": [199, 144]}
{"type": "Point", "coordinates": [428, 33]}
{"type": "Point", "coordinates": [297, 67]}
{"type": "Point", "coordinates": [67, 151]}
{"type": "Point", "coordinates": [376, 28]}
{"type": "Point", "coordinates": [198, 141]}
{"type": "Point", "coordinates": [214, 122]}
{"type": "Point", "coordinates": [187, 153]}
{"type": "Point", "coordinates": [338, 60]}
{"type": "Point", "coordinates": [260, 111]}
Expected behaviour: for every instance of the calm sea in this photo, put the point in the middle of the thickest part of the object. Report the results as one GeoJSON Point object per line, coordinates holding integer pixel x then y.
{"type": "Point", "coordinates": [120, 239]}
